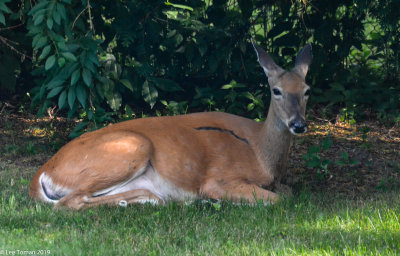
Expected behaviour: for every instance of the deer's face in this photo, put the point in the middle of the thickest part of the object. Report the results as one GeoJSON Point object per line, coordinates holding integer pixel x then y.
{"type": "Point", "coordinates": [289, 95]}
{"type": "Point", "coordinates": [289, 92]}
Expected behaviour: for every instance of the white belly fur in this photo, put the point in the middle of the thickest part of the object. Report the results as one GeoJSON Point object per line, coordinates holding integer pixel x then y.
{"type": "Point", "coordinates": [150, 180]}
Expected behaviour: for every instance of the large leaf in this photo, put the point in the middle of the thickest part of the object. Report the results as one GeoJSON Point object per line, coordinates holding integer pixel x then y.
{"type": "Point", "coordinates": [45, 52]}
{"type": "Point", "coordinates": [3, 7]}
{"type": "Point", "coordinates": [71, 97]}
{"type": "Point", "coordinates": [50, 23]}
{"type": "Point", "coordinates": [81, 94]}
{"type": "Point", "coordinates": [54, 92]}
{"type": "Point", "coordinates": [38, 19]}
{"type": "Point", "coordinates": [50, 62]}
{"type": "Point", "coordinates": [62, 99]}
{"type": "Point", "coordinates": [69, 56]}
{"type": "Point", "coordinates": [127, 84]}
{"type": "Point", "coordinates": [87, 77]}
{"type": "Point", "coordinates": [75, 76]}
{"type": "Point", "coordinates": [42, 41]}
{"type": "Point", "coordinates": [55, 83]}
{"type": "Point", "coordinates": [149, 93]}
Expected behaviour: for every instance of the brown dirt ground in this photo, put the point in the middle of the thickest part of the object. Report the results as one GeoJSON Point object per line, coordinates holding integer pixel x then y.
{"type": "Point", "coordinates": [373, 162]}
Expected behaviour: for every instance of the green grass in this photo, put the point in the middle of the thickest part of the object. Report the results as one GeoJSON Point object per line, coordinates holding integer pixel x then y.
{"type": "Point", "coordinates": [307, 224]}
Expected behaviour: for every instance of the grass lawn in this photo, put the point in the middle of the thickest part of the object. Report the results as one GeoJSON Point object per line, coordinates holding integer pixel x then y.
{"type": "Point", "coordinates": [307, 224]}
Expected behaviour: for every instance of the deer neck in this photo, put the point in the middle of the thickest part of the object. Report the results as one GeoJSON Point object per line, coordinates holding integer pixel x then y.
{"type": "Point", "coordinates": [273, 145]}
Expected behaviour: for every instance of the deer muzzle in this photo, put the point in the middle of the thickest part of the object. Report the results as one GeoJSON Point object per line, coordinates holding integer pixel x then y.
{"type": "Point", "coordinates": [297, 126]}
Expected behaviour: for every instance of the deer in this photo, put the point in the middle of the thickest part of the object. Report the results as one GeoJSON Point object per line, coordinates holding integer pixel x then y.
{"type": "Point", "coordinates": [208, 155]}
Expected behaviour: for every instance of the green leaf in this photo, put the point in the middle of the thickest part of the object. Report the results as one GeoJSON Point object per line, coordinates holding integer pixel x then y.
{"type": "Point", "coordinates": [69, 56]}
{"type": "Point", "coordinates": [61, 62]}
{"type": "Point", "coordinates": [233, 85]}
{"type": "Point", "coordinates": [45, 52]}
{"type": "Point", "coordinates": [100, 91]}
{"type": "Point", "coordinates": [57, 17]}
{"type": "Point", "coordinates": [38, 20]}
{"type": "Point", "coordinates": [149, 93]}
{"type": "Point", "coordinates": [93, 58]}
{"type": "Point", "coordinates": [4, 7]}
{"type": "Point", "coordinates": [81, 94]}
{"type": "Point", "coordinates": [61, 45]}
{"type": "Point", "coordinates": [87, 77]}
{"type": "Point", "coordinates": [41, 42]}
{"type": "Point", "coordinates": [250, 107]}
{"type": "Point", "coordinates": [55, 83]}
{"type": "Point", "coordinates": [71, 97]}
{"type": "Point", "coordinates": [62, 11]}
{"type": "Point", "coordinates": [179, 6]}
{"type": "Point", "coordinates": [75, 76]}
{"type": "Point", "coordinates": [127, 84]}
{"type": "Point", "coordinates": [62, 99]}
{"type": "Point", "coordinates": [166, 84]}
{"type": "Point", "coordinates": [50, 62]}
{"type": "Point", "coordinates": [38, 7]}
{"type": "Point", "coordinates": [50, 23]}
{"type": "Point", "coordinates": [54, 92]}
{"type": "Point", "coordinates": [58, 38]}
{"type": "Point", "coordinates": [2, 19]}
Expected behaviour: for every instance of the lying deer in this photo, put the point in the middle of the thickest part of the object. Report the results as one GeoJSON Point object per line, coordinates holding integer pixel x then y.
{"type": "Point", "coordinates": [181, 158]}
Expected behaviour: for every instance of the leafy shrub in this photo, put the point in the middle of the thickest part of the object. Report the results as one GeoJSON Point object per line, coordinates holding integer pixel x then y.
{"type": "Point", "coordinates": [91, 58]}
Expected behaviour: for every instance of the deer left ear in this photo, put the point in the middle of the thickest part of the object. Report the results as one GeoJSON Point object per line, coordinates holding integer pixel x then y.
{"type": "Point", "coordinates": [303, 60]}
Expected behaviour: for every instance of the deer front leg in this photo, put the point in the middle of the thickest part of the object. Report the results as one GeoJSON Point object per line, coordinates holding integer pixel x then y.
{"type": "Point", "coordinates": [238, 191]}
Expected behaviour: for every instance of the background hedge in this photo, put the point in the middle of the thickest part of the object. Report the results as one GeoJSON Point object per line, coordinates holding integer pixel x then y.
{"type": "Point", "coordinates": [96, 59]}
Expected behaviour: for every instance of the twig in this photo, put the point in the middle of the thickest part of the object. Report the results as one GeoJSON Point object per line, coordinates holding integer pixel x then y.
{"type": "Point", "coordinates": [5, 41]}
{"type": "Point", "coordinates": [12, 27]}
{"type": "Point", "coordinates": [89, 9]}
{"type": "Point", "coordinates": [77, 17]}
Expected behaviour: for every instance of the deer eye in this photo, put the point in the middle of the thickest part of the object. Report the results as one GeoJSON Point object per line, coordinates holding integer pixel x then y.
{"type": "Point", "coordinates": [276, 92]}
{"type": "Point", "coordinates": [308, 92]}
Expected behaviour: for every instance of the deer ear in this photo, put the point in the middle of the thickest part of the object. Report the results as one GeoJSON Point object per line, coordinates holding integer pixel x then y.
{"type": "Point", "coordinates": [303, 60]}
{"type": "Point", "coordinates": [266, 62]}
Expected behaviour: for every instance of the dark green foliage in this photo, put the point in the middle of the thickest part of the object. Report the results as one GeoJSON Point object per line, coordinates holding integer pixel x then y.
{"type": "Point", "coordinates": [180, 56]}
{"type": "Point", "coordinates": [15, 50]}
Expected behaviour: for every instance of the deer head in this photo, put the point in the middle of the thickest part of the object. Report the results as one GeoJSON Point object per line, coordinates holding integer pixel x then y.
{"type": "Point", "coordinates": [289, 91]}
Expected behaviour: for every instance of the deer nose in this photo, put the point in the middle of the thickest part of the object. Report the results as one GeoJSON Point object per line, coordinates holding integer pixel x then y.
{"type": "Point", "coordinates": [298, 126]}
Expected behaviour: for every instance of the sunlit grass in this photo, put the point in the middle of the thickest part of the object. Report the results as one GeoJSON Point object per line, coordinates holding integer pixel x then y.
{"type": "Point", "coordinates": [307, 224]}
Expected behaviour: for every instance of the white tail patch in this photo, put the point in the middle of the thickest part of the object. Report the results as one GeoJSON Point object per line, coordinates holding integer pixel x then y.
{"type": "Point", "coordinates": [50, 191]}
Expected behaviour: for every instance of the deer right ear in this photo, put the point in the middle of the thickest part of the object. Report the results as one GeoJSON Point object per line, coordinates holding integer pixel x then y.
{"type": "Point", "coordinates": [266, 62]}
{"type": "Point", "coordinates": [303, 60]}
